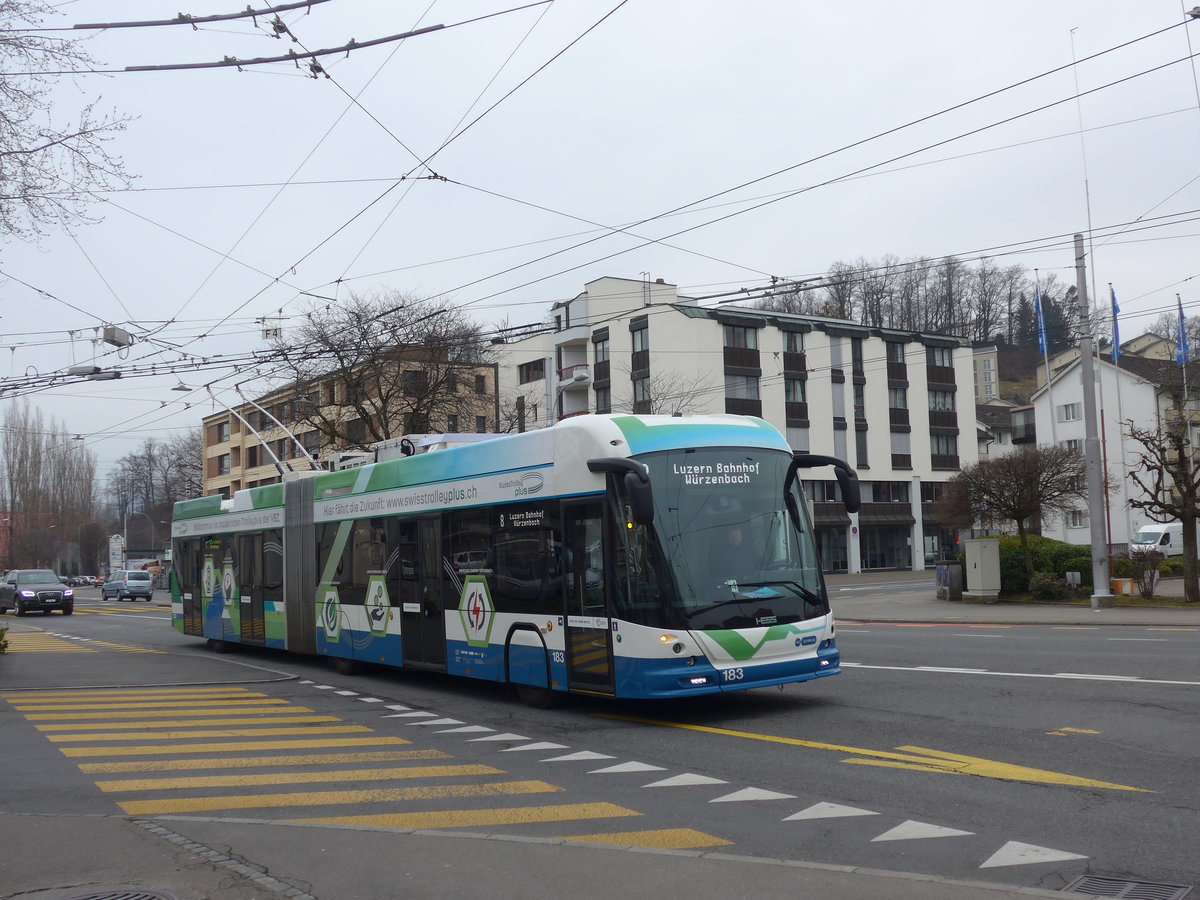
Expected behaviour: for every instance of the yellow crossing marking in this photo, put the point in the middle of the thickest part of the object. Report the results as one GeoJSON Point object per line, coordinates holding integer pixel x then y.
{"type": "Point", "coordinates": [252, 762]}
{"type": "Point", "coordinates": [207, 781]}
{"type": "Point", "coordinates": [215, 732]}
{"type": "Point", "coordinates": [476, 817]}
{"type": "Point", "coordinates": [133, 693]}
{"type": "Point", "coordinates": [232, 747]}
{"type": "Point", "coordinates": [29, 642]}
{"type": "Point", "coordinates": [384, 795]}
{"type": "Point", "coordinates": [185, 723]}
{"type": "Point", "coordinates": [1080, 730]}
{"type": "Point", "coordinates": [40, 707]}
{"type": "Point", "coordinates": [662, 839]}
{"type": "Point", "coordinates": [907, 758]}
{"type": "Point", "coordinates": [115, 695]}
{"type": "Point", "coordinates": [163, 713]}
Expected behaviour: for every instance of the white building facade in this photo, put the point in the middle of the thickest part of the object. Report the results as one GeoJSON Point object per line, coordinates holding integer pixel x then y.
{"type": "Point", "coordinates": [897, 406]}
{"type": "Point", "coordinates": [1130, 392]}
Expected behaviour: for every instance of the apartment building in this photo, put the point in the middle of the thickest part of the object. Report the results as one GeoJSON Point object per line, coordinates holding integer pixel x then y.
{"type": "Point", "coordinates": [897, 406]}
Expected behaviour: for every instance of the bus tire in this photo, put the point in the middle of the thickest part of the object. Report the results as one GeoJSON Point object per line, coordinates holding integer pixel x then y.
{"type": "Point", "coordinates": [539, 697]}
{"type": "Point", "coordinates": [344, 666]}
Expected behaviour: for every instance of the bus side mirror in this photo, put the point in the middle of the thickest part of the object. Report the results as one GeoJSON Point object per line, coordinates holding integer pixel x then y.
{"type": "Point", "coordinates": [846, 476]}
{"type": "Point", "coordinates": [637, 485]}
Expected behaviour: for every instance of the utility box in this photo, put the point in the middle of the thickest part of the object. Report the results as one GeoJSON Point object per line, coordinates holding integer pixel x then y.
{"type": "Point", "coordinates": [983, 570]}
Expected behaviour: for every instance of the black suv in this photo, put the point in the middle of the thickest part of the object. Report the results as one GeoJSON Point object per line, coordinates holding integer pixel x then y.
{"type": "Point", "coordinates": [26, 590]}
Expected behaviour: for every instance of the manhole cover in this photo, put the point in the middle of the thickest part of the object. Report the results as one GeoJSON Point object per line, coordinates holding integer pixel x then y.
{"type": "Point", "coordinates": [1133, 890]}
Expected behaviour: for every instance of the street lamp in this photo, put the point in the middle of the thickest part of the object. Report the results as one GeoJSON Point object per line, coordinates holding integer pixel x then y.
{"type": "Point", "coordinates": [125, 534]}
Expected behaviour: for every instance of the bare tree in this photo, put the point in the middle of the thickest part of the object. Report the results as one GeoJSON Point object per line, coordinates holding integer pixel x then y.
{"type": "Point", "coordinates": [668, 393]}
{"type": "Point", "coordinates": [50, 163]}
{"type": "Point", "coordinates": [380, 367]}
{"type": "Point", "coordinates": [48, 487]}
{"type": "Point", "coordinates": [1045, 481]}
{"type": "Point", "coordinates": [1169, 476]}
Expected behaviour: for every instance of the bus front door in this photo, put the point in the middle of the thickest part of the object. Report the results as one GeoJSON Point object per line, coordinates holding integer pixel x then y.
{"type": "Point", "coordinates": [422, 620]}
{"type": "Point", "coordinates": [589, 631]}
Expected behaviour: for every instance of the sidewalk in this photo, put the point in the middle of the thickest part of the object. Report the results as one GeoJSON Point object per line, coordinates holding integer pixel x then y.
{"type": "Point", "coordinates": [912, 597]}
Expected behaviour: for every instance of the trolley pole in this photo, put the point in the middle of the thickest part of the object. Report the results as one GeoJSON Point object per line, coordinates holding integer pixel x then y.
{"type": "Point", "coordinates": [1101, 594]}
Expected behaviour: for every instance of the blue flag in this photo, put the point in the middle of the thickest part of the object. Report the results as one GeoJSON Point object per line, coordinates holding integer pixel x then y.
{"type": "Point", "coordinates": [1041, 322]}
{"type": "Point", "coordinates": [1181, 347]}
{"type": "Point", "coordinates": [1116, 338]}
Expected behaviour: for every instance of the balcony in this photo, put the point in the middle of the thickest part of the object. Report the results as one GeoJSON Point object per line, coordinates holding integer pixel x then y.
{"type": "Point", "coordinates": [940, 463]}
{"type": "Point", "coordinates": [901, 460]}
{"type": "Point", "coordinates": [574, 377]}
{"type": "Point", "coordinates": [897, 416]}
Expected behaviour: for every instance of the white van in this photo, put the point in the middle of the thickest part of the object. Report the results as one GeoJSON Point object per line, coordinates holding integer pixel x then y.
{"type": "Point", "coordinates": [1165, 537]}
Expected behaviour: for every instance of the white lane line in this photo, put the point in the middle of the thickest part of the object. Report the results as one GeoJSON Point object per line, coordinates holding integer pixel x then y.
{"type": "Point", "coordinates": [1132, 679]}
{"type": "Point", "coordinates": [981, 635]}
{"type": "Point", "coordinates": [1143, 640]}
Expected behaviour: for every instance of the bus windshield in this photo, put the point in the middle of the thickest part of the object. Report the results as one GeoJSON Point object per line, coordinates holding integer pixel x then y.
{"type": "Point", "coordinates": [728, 537]}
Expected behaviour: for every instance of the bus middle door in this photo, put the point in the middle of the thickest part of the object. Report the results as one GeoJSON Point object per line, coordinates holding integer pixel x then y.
{"type": "Point", "coordinates": [422, 619]}
{"type": "Point", "coordinates": [589, 632]}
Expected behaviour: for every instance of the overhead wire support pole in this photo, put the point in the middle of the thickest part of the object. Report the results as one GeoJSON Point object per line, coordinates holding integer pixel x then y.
{"type": "Point", "coordinates": [185, 19]}
{"type": "Point", "coordinates": [1096, 477]}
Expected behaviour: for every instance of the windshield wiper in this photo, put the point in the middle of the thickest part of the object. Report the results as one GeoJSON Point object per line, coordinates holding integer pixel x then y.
{"type": "Point", "coordinates": [740, 596]}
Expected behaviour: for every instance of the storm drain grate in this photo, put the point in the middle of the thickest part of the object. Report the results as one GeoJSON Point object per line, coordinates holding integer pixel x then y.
{"type": "Point", "coordinates": [1131, 890]}
{"type": "Point", "coordinates": [122, 895]}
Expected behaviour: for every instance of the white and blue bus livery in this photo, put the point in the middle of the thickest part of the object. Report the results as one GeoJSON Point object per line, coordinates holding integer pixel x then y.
{"type": "Point", "coordinates": [627, 556]}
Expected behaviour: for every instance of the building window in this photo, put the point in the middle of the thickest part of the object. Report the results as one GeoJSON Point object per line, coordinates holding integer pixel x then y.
{"type": "Point", "coordinates": [987, 365]}
{"type": "Point", "coordinates": [860, 403]}
{"type": "Point", "coordinates": [531, 371]}
{"type": "Point", "coordinates": [223, 463]}
{"type": "Point", "coordinates": [943, 444]}
{"type": "Point", "coordinates": [895, 352]}
{"type": "Point", "coordinates": [793, 342]}
{"type": "Point", "coordinates": [989, 390]}
{"type": "Point", "coordinates": [481, 424]}
{"type": "Point", "coordinates": [641, 340]}
{"type": "Point", "coordinates": [480, 384]}
{"type": "Point", "coordinates": [793, 390]}
{"type": "Point", "coordinates": [797, 438]}
{"type": "Point", "coordinates": [898, 398]}
{"type": "Point", "coordinates": [741, 387]}
{"type": "Point", "coordinates": [603, 400]}
{"type": "Point", "coordinates": [641, 395]}
{"type": "Point", "coordinates": [901, 443]}
{"type": "Point", "coordinates": [941, 400]}
{"type": "Point", "coordinates": [1075, 444]}
{"type": "Point", "coordinates": [835, 352]}
{"type": "Point", "coordinates": [452, 424]}
{"type": "Point", "coordinates": [1077, 518]}
{"type": "Point", "coordinates": [939, 356]}
{"type": "Point", "coordinates": [416, 384]}
{"type": "Point", "coordinates": [742, 337]}
{"type": "Point", "coordinates": [601, 350]}
{"type": "Point", "coordinates": [222, 433]}
{"type": "Point", "coordinates": [1070, 412]}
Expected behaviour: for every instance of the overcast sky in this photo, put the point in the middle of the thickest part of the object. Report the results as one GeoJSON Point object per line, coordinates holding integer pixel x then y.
{"type": "Point", "coordinates": [262, 191]}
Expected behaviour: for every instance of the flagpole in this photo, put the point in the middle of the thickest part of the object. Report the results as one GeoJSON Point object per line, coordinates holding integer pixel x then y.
{"type": "Point", "coordinates": [1041, 329]}
{"type": "Point", "coordinates": [1120, 414]}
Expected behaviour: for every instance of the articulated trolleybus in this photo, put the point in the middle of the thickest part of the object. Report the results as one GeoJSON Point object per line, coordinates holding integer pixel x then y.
{"type": "Point", "coordinates": [627, 556]}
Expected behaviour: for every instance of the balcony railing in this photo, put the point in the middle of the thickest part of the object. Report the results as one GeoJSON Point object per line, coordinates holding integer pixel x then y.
{"type": "Point", "coordinates": [567, 373]}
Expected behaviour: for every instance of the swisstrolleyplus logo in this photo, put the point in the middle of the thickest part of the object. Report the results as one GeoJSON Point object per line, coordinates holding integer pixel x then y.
{"type": "Point", "coordinates": [528, 484]}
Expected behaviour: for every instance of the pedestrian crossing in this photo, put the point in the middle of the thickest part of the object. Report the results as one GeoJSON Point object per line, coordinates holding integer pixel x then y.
{"type": "Point", "coordinates": [52, 642]}
{"type": "Point", "coordinates": [211, 751]}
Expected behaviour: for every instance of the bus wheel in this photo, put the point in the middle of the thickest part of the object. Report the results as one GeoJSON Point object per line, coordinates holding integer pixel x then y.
{"type": "Point", "coordinates": [539, 697]}
{"type": "Point", "coordinates": [217, 646]}
{"type": "Point", "coordinates": [344, 666]}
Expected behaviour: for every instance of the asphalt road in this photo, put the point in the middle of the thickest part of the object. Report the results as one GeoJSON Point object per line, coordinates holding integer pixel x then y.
{"type": "Point", "coordinates": [1016, 756]}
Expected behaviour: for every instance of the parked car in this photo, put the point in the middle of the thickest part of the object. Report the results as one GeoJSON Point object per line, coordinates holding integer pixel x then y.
{"type": "Point", "coordinates": [128, 584]}
{"type": "Point", "coordinates": [27, 590]}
